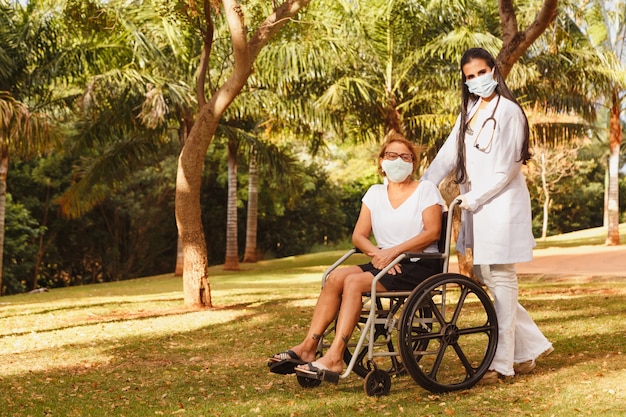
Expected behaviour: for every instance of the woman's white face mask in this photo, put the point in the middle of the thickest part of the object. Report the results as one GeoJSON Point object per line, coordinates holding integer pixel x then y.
{"type": "Point", "coordinates": [482, 86]}
{"type": "Point", "coordinates": [397, 170]}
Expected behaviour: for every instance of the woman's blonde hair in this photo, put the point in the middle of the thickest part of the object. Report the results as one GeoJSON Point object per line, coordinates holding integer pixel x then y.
{"type": "Point", "coordinates": [391, 137]}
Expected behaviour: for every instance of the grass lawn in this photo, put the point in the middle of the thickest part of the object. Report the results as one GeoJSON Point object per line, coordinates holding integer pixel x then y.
{"type": "Point", "coordinates": [131, 349]}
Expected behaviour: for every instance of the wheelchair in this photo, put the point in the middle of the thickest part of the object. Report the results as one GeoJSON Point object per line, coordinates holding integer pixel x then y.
{"type": "Point", "coordinates": [443, 333]}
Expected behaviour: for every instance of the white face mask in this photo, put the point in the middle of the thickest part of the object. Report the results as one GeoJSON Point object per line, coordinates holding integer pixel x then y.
{"type": "Point", "coordinates": [482, 86]}
{"type": "Point", "coordinates": [397, 170]}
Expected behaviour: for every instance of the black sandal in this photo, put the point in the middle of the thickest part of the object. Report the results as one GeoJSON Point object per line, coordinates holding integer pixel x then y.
{"type": "Point", "coordinates": [284, 363]}
{"type": "Point", "coordinates": [315, 370]}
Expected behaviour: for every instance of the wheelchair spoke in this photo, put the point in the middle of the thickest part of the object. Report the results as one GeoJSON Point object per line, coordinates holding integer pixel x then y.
{"type": "Point", "coordinates": [487, 328]}
{"type": "Point", "coordinates": [438, 360]}
{"type": "Point", "coordinates": [463, 358]}
{"type": "Point", "coordinates": [459, 306]}
{"type": "Point", "coordinates": [437, 312]}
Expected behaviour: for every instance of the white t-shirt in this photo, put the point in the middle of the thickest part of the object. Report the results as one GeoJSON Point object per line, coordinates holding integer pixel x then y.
{"type": "Point", "coordinates": [394, 226]}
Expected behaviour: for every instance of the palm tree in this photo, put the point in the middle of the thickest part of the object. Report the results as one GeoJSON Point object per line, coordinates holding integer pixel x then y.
{"type": "Point", "coordinates": [137, 59]}
{"type": "Point", "coordinates": [29, 46]}
{"type": "Point", "coordinates": [231, 262]}
{"type": "Point", "coordinates": [134, 96]}
{"type": "Point", "coordinates": [250, 252]}
{"type": "Point", "coordinates": [608, 35]}
{"type": "Point", "coordinates": [280, 96]}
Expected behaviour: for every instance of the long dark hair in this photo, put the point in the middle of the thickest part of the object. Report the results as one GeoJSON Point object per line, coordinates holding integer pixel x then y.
{"type": "Point", "coordinates": [467, 98]}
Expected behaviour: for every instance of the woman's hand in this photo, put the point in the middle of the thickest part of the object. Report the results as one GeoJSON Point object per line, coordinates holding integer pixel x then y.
{"type": "Point", "coordinates": [381, 258]}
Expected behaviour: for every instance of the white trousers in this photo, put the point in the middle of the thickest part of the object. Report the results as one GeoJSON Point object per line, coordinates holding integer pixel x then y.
{"type": "Point", "coordinates": [519, 338]}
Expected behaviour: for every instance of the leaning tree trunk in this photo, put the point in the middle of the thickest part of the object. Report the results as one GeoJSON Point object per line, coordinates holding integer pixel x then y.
{"type": "Point", "coordinates": [250, 254]}
{"type": "Point", "coordinates": [196, 288]}
{"type": "Point", "coordinates": [184, 128]}
{"type": "Point", "coordinates": [4, 169]}
{"type": "Point", "coordinates": [615, 141]}
{"type": "Point", "coordinates": [232, 248]}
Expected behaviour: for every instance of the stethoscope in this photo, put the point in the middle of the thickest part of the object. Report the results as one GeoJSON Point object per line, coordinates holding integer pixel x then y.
{"type": "Point", "coordinates": [493, 131]}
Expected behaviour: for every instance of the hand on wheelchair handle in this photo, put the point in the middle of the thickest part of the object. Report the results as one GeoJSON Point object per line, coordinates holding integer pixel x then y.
{"type": "Point", "coordinates": [463, 203]}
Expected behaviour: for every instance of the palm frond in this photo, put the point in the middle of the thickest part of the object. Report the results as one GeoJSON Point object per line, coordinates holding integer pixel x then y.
{"type": "Point", "coordinates": [97, 175]}
{"type": "Point", "coordinates": [23, 132]}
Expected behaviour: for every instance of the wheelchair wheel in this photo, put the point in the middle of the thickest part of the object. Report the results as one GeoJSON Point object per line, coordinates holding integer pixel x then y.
{"type": "Point", "coordinates": [377, 383]}
{"type": "Point", "coordinates": [448, 333]}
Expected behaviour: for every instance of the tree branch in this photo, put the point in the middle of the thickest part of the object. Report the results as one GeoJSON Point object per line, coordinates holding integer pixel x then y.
{"type": "Point", "coordinates": [508, 20]}
{"type": "Point", "coordinates": [273, 23]}
{"type": "Point", "coordinates": [245, 53]}
{"type": "Point", "coordinates": [515, 43]}
{"type": "Point", "coordinates": [203, 68]}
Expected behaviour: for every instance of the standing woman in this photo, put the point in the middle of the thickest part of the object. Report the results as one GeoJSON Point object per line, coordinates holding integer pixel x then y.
{"type": "Point", "coordinates": [486, 150]}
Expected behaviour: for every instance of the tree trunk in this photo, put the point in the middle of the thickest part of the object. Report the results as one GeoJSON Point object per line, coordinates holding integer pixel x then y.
{"type": "Point", "coordinates": [232, 249]}
{"type": "Point", "coordinates": [449, 191]}
{"type": "Point", "coordinates": [40, 246]}
{"type": "Point", "coordinates": [180, 259]}
{"type": "Point", "coordinates": [546, 195]}
{"type": "Point", "coordinates": [4, 169]}
{"type": "Point", "coordinates": [250, 254]}
{"type": "Point", "coordinates": [184, 128]}
{"type": "Point", "coordinates": [615, 140]}
{"type": "Point", "coordinates": [605, 217]}
{"type": "Point", "coordinates": [196, 288]}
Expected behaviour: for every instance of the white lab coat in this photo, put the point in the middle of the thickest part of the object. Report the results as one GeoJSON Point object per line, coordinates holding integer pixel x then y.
{"type": "Point", "coordinates": [496, 191]}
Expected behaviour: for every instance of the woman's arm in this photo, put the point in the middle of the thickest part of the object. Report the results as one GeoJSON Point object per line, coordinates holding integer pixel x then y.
{"type": "Point", "coordinates": [363, 231]}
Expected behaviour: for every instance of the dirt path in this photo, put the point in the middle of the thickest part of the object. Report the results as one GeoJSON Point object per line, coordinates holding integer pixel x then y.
{"type": "Point", "coordinates": [596, 260]}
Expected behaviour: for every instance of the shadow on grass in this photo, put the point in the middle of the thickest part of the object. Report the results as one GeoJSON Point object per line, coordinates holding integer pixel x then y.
{"type": "Point", "coordinates": [213, 362]}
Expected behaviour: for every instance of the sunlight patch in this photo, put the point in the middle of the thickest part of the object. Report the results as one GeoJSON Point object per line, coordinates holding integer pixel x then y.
{"type": "Point", "coordinates": [309, 302]}
{"type": "Point", "coordinates": [92, 344]}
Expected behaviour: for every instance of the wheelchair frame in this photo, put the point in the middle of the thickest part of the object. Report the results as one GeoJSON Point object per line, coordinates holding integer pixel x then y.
{"type": "Point", "coordinates": [428, 317]}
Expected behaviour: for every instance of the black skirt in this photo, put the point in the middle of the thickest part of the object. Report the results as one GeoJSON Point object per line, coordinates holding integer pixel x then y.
{"type": "Point", "coordinates": [410, 276]}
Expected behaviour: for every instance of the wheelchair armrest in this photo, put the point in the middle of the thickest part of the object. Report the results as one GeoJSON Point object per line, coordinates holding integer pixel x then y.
{"type": "Point", "coordinates": [425, 255]}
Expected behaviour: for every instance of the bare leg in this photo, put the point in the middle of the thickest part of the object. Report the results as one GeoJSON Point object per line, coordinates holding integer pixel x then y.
{"type": "Point", "coordinates": [353, 286]}
{"type": "Point", "coordinates": [325, 311]}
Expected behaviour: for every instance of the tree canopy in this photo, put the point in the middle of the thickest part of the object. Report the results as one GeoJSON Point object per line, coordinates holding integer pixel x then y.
{"type": "Point", "coordinates": [132, 88]}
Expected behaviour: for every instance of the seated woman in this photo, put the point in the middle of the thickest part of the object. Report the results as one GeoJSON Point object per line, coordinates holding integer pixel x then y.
{"type": "Point", "coordinates": [405, 216]}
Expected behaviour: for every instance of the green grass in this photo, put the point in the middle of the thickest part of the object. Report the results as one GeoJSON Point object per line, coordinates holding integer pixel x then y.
{"type": "Point", "coordinates": [131, 349]}
{"type": "Point", "coordinates": [595, 236]}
